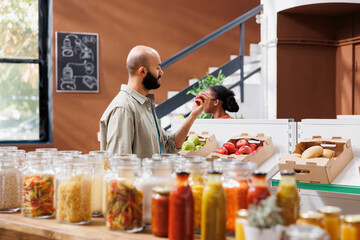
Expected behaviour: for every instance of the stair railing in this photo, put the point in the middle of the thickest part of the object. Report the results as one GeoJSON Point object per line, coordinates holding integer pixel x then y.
{"type": "Point", "coordinates": [227, 69]}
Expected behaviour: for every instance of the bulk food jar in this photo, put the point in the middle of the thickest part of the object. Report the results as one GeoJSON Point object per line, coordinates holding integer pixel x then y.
{"type": "Point", "coordinates": [156, 172]}
{"type": "Point", "coordinates": [350, 229]}
{"type": "Point", "coordinates": [10, 182]}
{"type": "Point", "coordinates": [168, 156]}
{"type": "Point", "coordinates": [73, 193]}
{"type": "Point", "coordinates": [332, 221]}
{"type": "Point", "coordinates": [235, 182]}
{"type": "Point", "coordinates": [198, 168]}
{"type": "Point", "coordinates": [124, 198]}
{"type": "Point", "coordinates": [100, 160]}
{"type": "Point", "coordinates": [38, 186]}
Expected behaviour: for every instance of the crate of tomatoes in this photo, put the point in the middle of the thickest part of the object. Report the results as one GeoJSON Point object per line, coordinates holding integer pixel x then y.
{"type": "Point", "coordinates": [247, 148]}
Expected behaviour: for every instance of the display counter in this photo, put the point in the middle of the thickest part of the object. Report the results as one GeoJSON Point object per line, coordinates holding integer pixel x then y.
{"type": "Point", "coordinates": [15, 226]}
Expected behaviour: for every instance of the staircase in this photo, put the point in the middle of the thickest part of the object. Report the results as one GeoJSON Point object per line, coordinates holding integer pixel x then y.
{"type": "Point", "coordinates": [251, 108]}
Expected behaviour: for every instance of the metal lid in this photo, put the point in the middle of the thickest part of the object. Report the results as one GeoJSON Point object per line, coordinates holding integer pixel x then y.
{"type": "Point", "coordinates": [162, 190]}
{"type": "Point", "coordinates": [258, 173]}
{"type": "Point", "coordinates": [182, 173]}
{"type": "Point", "coordinates": [352, 218]}
{"type": "Point", "coordinates": [243, 213]}
{"type": "Point", "coordinates": [287, 173]}
{"type": "Point", "coordinates": [312, 215]}
{"type": "Point", "coordinates": [214, 172]}
{"type": "Point", "coordinates": [330, 210]}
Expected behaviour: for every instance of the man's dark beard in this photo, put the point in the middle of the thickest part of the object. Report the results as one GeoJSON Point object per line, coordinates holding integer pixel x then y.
{"type": "Point", "coordinates": [150, 81]}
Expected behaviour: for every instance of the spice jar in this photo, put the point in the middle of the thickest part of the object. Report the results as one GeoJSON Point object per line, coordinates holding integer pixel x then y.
{"type": "Point", "coordinates": [73, 196]}
{"type": "Point", "coordinates": [350, 229]}
{"type": "Point", "coordinates": [197, 167]}
{"type": "Point", "coordinates": [241, 220]}
{"type": "Point", "coordinates": [38, 186]}
{"type": "Point", "coordinates": [156, 172]}
{"type": "Point", "coordinates": [10, 182]}
{"type": "Point", "coordinates": [181, 209]}
{"type": "Point", "coordinates": [236, 186]}
{"type": "Point", "coordinates": [332, 221]}
{"type": "Point", "coordinates": [213, 209]}
{"type": "Point", "coordinates": [287, 198]}
{"type": "Point", "coordinates": [123, 156]}
{"type": "Point", "coordinates": [311, 218]}
{"type": "Point", "coordinates": [160, 211]}
{"type": "Point", "coordinates": [295, 232]}
{"type": "Point", "coordinates": [124, 199]}
{"type": "Point", "coordinates": [259, 189]}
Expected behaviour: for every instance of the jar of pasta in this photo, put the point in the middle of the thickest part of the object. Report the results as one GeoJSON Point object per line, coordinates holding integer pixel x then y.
{"type": "Point", "coordinates": [350, 229]}
{"type": "Point", "coordinates": [99, 159]}
{"type": "Point", "coordinates": [156, 172]}
{"type": "Point", "coordinates": [235, 182]}
{"type": "Point", "coordinates": [332, 221]}
{"type": "Point", "coordinates": [38, 186]}
{"type": "Point", "coordinates": [73, 193]}
{"type": "Point", "coordinates": [198, 168]}
{"type": "Point", "coordinates": [124, 198]}
{"type": "Point", "coordinates": [311, 218]}
{"type": "Point", "coordinates": [10, 181]}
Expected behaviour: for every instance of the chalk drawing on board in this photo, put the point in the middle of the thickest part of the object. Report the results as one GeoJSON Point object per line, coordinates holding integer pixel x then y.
{"type": "Point", "coordinates": [77, 68]}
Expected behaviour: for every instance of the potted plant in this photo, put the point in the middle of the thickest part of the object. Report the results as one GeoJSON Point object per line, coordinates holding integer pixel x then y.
{"type": "Point", "coordinates": [264, 221]}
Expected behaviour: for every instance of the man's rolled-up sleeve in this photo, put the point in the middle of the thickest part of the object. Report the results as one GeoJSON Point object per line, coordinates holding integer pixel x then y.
{"type": "Point", "coordinates": [120, 131]}
{"type": "Point", "coordinates": [168, 142]}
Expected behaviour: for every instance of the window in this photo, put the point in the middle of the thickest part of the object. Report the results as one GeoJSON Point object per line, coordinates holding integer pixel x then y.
{"type": "Point", "coordinates": [25, 70]}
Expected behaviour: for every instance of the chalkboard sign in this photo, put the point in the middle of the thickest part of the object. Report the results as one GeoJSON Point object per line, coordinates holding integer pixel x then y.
{"type": "Point", "coordinates": [77, 63]}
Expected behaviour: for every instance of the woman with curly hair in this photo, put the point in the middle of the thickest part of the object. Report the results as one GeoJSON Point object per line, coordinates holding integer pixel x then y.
{"type": "Point", "coordinates": [221, 100]}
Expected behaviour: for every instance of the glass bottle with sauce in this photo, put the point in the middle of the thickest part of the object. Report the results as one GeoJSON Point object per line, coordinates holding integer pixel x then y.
{"type": "Point", "coordinates": [259, 189]}
{"type": "Point", "coordinates": [73, 192]}
{"type": "Point", "coordinates": [332, 221]}
{"type": "Point", "coordinates": [287, 198]}
{"type": "Point", "coordinates": [295, 232]}
{"type": "Point", "coordinates": [311, 218]}
{"type": "Point", "coordinates": [156, 172]}
{"type": "Point", "coordinates": [160, 211]}
{"type": "Point", "coordinates": [235, 185]}
{"type": "Point", "coordinates": [241, 220]}
{"type": "Point", "coordinates": [10, 181]}
{"type": "Point", "coordinates": [98, 159]}
{"type": "Point", "coordinates": [213, 209]}
{"type": "Point", "coordinates": [38, 186]}
{"type": "Point", "coordinates": [197, 167]}
{"type": "Point", "coordinates": [181, 209]}
{"type": "Point", "coordinates": [124, 199]}
{"type": "Point", "coordinates": [350, 229]}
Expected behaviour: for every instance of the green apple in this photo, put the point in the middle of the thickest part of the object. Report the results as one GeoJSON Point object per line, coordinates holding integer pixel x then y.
{"type": "Point", "coordinates": [193, 138]}
{"type": "Point", "coordinates": [201, 143]}
{"type": "Point", "coordinates": [187, 146]}
{"type": "Point", "coordinates": [197, 147]}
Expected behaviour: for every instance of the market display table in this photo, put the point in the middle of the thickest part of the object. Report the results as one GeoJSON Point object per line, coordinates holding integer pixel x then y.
{"type": "Point", "coordinates": [15, 226]}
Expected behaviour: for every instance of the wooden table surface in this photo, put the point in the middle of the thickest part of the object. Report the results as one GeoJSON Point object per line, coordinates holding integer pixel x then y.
{"type": "Point", "coordinates": [15, 226]}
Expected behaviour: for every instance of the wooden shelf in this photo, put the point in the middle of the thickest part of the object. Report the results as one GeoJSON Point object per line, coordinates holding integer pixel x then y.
{"type": "Point", "coordinates": [15, 226]}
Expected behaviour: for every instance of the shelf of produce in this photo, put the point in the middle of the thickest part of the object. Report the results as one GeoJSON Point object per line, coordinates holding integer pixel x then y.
{"type": "Point", "coordinates": [15, 226]}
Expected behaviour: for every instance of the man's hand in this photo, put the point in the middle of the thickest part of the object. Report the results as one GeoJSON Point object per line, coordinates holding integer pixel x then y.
{"type": "Point", "coordinates": [201, 103]}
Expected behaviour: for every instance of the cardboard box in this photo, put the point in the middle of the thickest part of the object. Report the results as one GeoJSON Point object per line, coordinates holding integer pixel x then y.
{"type": "Point", "coordinates": [259, 158]}
{"type": "Point", "coordinates": [210, 145]}
{"type": "Point", "coordinates": [318, 170]}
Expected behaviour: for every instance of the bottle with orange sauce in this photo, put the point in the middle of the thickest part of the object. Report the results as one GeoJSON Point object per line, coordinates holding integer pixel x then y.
{"type": "Point", "coordinates": [259, 189]}
{"type": "Point", "coordinates": [332, 221]}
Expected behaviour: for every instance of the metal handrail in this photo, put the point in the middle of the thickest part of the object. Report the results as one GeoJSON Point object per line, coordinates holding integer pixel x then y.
{"type": "Point", "coordinates": [211, 36]}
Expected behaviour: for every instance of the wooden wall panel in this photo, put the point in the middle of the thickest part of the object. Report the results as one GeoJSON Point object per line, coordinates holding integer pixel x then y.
{"type": "Point", "coordinates": [357, 79]}
{"type": "Point", "coordinates": [344, 80]}
{"type": "Point", "coordinates": [167, 26]}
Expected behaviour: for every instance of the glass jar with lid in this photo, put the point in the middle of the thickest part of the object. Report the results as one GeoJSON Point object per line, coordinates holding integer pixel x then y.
{"type": "Point", "coordinates": [124, 198]}
{"type": "Point", "coordinates": [198, 168]}
{"type": "Point", "coordinates": [73, 196]}
{"type": "Point", "coordinates": [10, 181]}
{"type": "Point", "coordinates": [38, 186]}
{"type": "Point", "coordinates": [241, 220]}
{"type": "Point", "coordinates": [156, 172]}
{"type": "Point", "coordinates": [295, 232]}
{"type": "Point", "coordinates": [332, 221]}
{"type": "Point", "coordinates": [350, 229]}
{"type": "Point", "coordinates": [171, 157]}
{"type": "Point", "coordinates": [160, 211]}
{"type": "Point", "coordinates": [311, 218]}
{"type": "Point", "coordinates": [235, 182]}
{"type": "Point", "coordinates": [99, 159]}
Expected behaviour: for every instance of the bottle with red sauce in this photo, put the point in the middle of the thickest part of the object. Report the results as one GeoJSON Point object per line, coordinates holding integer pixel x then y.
{"type": "Point", "coordinates": [160, 211]}
{"type": "Point", "coordinates": [181, 209]}
{"type": "Point", "coordinates": [259, 189]}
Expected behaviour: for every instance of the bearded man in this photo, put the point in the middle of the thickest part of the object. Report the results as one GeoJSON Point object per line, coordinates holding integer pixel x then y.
{"type": "Point", "coordinates": [129, 124]}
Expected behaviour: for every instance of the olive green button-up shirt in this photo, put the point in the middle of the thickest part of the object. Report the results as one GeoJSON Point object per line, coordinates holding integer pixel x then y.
{"type": "Point", "coordinates": [129, 125]}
